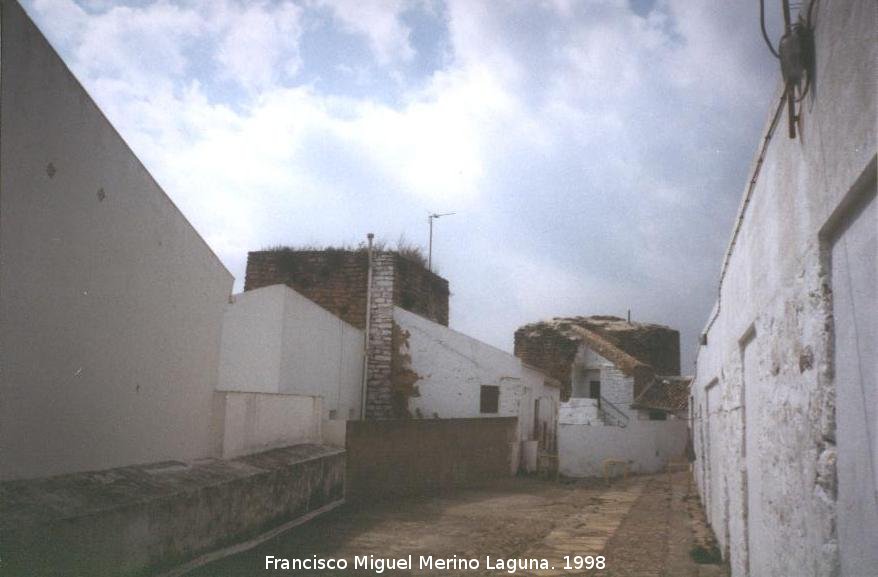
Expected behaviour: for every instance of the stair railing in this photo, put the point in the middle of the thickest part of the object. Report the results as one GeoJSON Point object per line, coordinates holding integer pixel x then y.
{"type": "Point", "coordinates": [612, 414]}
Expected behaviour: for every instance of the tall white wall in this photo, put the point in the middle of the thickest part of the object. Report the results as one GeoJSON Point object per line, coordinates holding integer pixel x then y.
{"type": "Point", "coordinates": [274, 340]}
{"type": "Point", "coordinates": [110, 302]}
{"type": "Point", "coordinates": [785, 385]}
{"type": "Point", "coordinates": [255, 422]}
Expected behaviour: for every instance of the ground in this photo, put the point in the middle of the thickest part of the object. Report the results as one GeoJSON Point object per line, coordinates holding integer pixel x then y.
{"type": "Point", "coordinates": [642, 526]}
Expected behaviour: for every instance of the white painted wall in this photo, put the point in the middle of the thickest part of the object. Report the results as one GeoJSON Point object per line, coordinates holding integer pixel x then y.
{"type": "Point", "coordinates": [255, 422]}
{"type": "Point", "coordinates": [649, 445]}
{"type": "Point", "coordinates": [110, 302]}
{"type": "Point", "coordinates": [579, 411]}
{"type": "Point", "coordinates": [784, 394]}
{"type": "Point", "coordinates": [585, 440]}
{"type": "Point", "coordinates": [855, 300]}
{"type": "Point", "coordinates": [275, 340]}
{"type": "Point", "coordinates": [543, 395]}
{"type": "Point", "coordinates": [452, 368]}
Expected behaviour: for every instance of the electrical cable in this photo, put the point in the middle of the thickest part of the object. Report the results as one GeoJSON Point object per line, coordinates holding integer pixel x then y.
{"type": "Point", "coordinates": [764, 33]}
{"type": "Point", "coordinates": [810, 30]}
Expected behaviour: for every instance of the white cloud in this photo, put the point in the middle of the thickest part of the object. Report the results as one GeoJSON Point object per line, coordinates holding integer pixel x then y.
{"type": "Point", "coordinates": [576, 140]}
{"type": "Point", "coordinates": [379, 22]}
{"type": "Point", "coordinates": [260, 44]}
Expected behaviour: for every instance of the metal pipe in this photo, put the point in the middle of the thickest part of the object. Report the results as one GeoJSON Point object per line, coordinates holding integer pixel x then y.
{"type": "Point", "coordinates": [364, 384]}
{"type": "Point", "coordinates": [430, 245]}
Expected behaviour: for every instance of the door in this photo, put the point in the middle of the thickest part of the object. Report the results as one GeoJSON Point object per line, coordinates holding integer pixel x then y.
{"type": "Point", "coordinates": [854, 261]}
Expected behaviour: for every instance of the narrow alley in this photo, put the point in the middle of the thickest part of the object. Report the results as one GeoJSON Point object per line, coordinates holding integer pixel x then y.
{"type": "Point", "coordinates": [643, 526]}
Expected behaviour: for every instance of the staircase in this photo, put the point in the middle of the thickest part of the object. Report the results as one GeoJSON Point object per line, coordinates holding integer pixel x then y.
{"type": "Point", "coordinates": [612, 415]}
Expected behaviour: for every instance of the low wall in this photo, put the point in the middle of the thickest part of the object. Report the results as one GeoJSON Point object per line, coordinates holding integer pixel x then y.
{"type": "Point", "coordinates": [255, 422]}
{"type": "Point", "coordinates": [141, 519]}
{"type": "Point", "coordinates": [647, 444]}
{"type": "Point", "coordinates": [408, 457]}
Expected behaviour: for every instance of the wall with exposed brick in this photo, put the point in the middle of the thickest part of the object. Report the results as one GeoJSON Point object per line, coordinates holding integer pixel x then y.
{"type": "Point", "coordinates": [552, 345]}
{"type": "Point", "coordinates": [337, 281]}
{"type": "Point", "coordinates": [334, 279]}
{"type": "Point", "coordinates": [550, 352]}
{"type": "Point", "coordinates": [420, 291]}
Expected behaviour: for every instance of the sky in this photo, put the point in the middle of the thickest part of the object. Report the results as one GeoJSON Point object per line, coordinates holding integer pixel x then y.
{"type": "Point", "coordinates": [594, 153]}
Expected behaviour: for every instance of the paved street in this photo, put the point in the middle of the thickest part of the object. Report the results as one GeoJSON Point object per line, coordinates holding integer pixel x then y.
{"type": "Point", "coordinates": [643, 526]}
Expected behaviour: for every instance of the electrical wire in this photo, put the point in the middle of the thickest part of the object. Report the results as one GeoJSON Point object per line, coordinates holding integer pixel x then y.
{"type": "Point", "coordinates": [810, 30]}
{"type": "Point", "coordinates": [764, 33]}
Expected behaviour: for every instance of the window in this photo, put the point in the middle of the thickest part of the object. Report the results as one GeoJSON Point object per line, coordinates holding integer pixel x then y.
{"type": "Point", "coordinates": [658, 416]}
{"type": "Point", "coordinates": [586, 383]}
{"type": "Point", "coordinates": [490, 399]}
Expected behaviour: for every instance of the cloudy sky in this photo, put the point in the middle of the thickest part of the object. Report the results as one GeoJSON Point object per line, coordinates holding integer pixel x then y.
{"type": "Point", "coordinates": [594, 152]}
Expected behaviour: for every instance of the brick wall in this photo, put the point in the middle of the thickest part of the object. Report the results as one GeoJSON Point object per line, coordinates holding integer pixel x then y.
{"type": "Point", "coordinates": [337, 279]}
{"type": "Point", "coordinates": [550, 352]}
{"type": "Point", "coordinates": [652, 344]}
{"type": "Point", "coordinates": [420, 291]}
{"type": "Point", "coordinates": [379, 389]}
{"type": "Point", "coordinates": [334, 279]}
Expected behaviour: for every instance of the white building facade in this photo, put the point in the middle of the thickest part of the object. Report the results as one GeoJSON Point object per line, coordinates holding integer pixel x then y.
{"type": "Point", "coordinates": [785, 407]}
{"type": "Point", "coordinates": [601, 422]}
{"type": "Point", "coordinates": [456, 376]}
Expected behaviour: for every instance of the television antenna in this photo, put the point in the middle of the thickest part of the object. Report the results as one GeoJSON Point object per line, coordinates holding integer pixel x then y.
{"type": "Point", "coordinates": [433, 216]}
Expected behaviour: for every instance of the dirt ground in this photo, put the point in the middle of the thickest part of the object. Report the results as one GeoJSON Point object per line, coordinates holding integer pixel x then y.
{"type": "Point", "coordinates": [642, 526]}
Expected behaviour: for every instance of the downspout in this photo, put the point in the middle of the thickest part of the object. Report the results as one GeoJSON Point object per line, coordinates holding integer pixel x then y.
{"type": "Point", "coordinates": [369, 236]}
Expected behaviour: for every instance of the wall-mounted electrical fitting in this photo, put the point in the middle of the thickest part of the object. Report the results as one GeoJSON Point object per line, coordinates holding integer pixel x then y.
{"type": "Point", "coordinates": [796, 55]}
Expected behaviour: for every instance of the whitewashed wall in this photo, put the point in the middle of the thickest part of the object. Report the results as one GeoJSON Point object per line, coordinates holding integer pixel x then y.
{"type": "Point", "coordinates": [452, 368]}
{"type": "Point", "coordinates": [110, 302]}
{"type": "Point", "coordinates": [547, 391]}
{"type": "Point", "coordinates": [785, 389]}
{"type": "Point", "coordinates": [255, 422]}
{"type": "Point", "coordinates": [585, 440]}
{"type": "Point", "coordinates": [274, 340]}
{"type": "Point", "coordinates": [649, 445]}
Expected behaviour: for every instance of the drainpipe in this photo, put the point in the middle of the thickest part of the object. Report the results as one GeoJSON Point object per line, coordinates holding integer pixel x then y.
{"type": "Point", "coordinates": [369, 236]}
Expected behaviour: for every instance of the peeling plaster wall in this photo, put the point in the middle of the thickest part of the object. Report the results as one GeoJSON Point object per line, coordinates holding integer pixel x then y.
{"type": "Point", "coordinates": [768, 378]}
{"type": "Point", "coordinates": [448, 368]}
{"type": "Point", "coordinates": [275, 340]}
{"type": "Point", "coordinates": [452, 367]}
{"type": "Point", "coordinates": [110, 302]}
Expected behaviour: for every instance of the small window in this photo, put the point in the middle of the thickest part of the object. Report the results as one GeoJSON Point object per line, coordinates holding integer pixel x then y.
{"type": "Point", "coordinates": [490, 399]}
{"type": "Point", "coordinates": [594, 389]}
{"type": "Point", "coordinates": [658, 416]}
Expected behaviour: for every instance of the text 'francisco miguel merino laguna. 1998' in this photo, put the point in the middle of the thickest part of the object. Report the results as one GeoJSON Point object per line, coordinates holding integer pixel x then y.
{"type": "Point", "coordinates": [429, 562]}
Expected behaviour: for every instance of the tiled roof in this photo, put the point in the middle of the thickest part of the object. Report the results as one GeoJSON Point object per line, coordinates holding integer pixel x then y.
{"type": "Point", "coordinates": [669, 394]}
